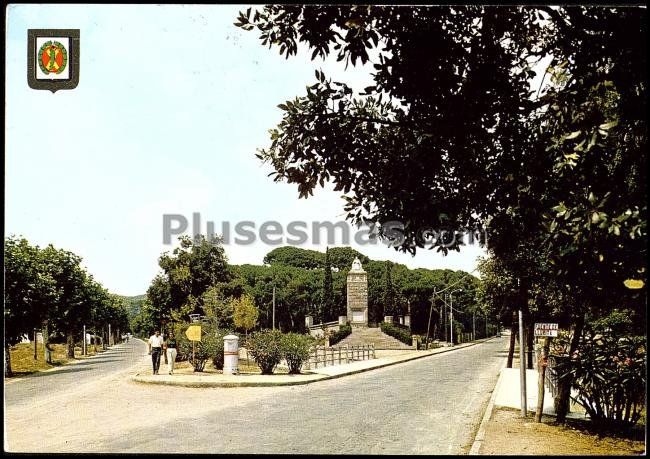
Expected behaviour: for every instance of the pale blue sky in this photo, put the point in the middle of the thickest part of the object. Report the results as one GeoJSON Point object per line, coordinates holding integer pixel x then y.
{"type": "Point", "coordinates": [172, 103]}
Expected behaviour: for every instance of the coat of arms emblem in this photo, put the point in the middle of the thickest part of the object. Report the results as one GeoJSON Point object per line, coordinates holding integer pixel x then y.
{"type": "Point", "coordinates": [53, 59]}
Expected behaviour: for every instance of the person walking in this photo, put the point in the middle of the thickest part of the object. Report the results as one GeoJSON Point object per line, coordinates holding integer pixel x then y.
{"type": "Point", "coordinates": [155, 347]}
{"type": "Point", "coordinates": [171, 345]}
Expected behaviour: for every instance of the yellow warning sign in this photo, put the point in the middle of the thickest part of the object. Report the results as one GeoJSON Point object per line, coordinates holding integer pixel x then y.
{"type": "Point", "coordinates": [193, 333]}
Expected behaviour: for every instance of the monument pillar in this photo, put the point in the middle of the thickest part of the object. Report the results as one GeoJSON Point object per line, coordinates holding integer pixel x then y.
{"type": "Point", "coordinates": [357, 295]}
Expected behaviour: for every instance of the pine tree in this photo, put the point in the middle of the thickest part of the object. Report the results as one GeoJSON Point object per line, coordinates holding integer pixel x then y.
{"type": "Point", "coordinates": [327, 308]}
{"type": "Point", "coordinates": [388, 294]}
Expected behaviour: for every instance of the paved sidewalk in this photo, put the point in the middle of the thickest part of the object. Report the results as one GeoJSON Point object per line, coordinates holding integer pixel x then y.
{"type": "Point", "coordinates": [507, 394]}
{"type": "Point", "coordinates": [307, 376]}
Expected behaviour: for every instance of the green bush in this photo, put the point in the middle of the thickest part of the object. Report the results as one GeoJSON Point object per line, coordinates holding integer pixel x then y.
{"type": "Point", "coordinates": [400, 332]}
{"type": "Point", "coordinates": [204, 350]}
{"type": "Point", "coordinates": [266, 349]}
{"type": "Point", "coordinates": [295, 350]}
{"type": "Point", "coordinates": [608, 371]}
{"type": "Point", "coordinates": [340, 334]}
{"type": "Point", "coordinates": [183, 345]}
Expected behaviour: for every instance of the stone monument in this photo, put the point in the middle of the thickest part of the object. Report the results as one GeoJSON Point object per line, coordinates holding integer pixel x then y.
{"type": "Point", "coordinates": [357, 293]}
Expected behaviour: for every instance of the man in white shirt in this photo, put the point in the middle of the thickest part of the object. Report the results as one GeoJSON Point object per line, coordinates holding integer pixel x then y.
{"type": "Point", "coordinates": [155, 348]}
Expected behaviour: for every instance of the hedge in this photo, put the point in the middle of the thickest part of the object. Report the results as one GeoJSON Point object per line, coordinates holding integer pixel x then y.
{"type": "Point", "coordinates": [340, 334]}
{"type": "Point", "coordinates": [396, 331]}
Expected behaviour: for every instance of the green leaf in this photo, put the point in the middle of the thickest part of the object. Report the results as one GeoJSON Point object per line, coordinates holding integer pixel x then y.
{"type": "Point", "coordinates": [591, 198]}
{"type": "Point", "coordinates": [573, 135]}
{"type": "Point", "coordinates": [595, 218]}
{"type": "Point", "coordinates": [609, 125]}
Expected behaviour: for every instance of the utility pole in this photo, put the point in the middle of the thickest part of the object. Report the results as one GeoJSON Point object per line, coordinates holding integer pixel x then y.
{"type": "Point", "coordinates": [445, 317]}
{"type": "Point", "coordinates": [274, 307]}
{"type": "Point", "coordinates": [451, 307]}
{"type": "Point", "coordinates": [110, 336]}
{"type": "Point", "coordinates": [84, 351]}
{"type": "Point", "coordinates": [451, 323]}
{"type": "Point", "coordinates": [522, 365]}
{"type": "Point", "coordinates": [473, 326]}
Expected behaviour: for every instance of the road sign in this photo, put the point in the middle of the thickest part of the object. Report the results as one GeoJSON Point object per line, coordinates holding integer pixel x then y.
{"type": "Point", "coordinates": [546, 329]}
{"type": "Point", "coordinates": [193, 333]}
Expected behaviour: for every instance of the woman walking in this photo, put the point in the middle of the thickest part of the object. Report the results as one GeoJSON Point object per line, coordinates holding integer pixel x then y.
{"type": "Point", "coordinates": [171, 352]}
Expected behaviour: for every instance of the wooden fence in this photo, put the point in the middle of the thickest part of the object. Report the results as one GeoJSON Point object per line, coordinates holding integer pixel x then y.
{"type": "Point", "coordinates": [338, 355]}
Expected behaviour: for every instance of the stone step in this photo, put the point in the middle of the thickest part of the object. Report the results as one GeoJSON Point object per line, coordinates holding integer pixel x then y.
{"type": "Point", "coordinates": [361, 336]}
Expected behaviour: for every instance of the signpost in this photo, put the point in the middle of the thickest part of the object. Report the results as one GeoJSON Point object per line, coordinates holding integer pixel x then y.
{"type": "Point", "coordinates": [193, 333]}
{"type": "Point", "coordinates": [548, 331]}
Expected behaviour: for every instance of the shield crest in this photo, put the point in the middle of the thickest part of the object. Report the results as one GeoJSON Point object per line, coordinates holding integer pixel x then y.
{"type": "Point", "coordinates": [53, 59]}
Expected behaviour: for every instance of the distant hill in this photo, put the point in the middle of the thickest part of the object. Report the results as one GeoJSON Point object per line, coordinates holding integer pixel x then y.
{"type": "Point", "coordinates": [133, 304]}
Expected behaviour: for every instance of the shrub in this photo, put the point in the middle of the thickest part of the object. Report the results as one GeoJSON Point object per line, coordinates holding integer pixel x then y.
{"type": "Point", "coordinates": [183, 346]}
{"type": "Point", "coordinates": [608, 371]}
{"type": "Point", "coordinates": [400, 332]}
{"type": "Point", "coordinates": [340, 334]}
{"type": "Point", "coordinates": [204, 350]}
{"type": "Point", "coordinates": [295, 350]}
{"type": "Point", "coordinates": [266, 349]}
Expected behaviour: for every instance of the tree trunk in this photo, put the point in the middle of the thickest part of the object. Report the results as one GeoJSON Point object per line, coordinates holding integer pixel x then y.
{"type": "Point", "coordinates": [513, 336]}
{"type": "Point", "coordinates": [564, 384]}
{"type": "Point", "coordinates": [530, 343]}
{"type": "Point", "coordinates": [70, 345]}
{"type": "Point", "coordinates": [8, 371]}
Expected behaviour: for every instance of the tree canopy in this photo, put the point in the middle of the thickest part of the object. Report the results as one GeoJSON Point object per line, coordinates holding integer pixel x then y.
{"type": "Point", "coordinates": [402, 150]}
{"type": "Point", "coordinates": [49, 286]}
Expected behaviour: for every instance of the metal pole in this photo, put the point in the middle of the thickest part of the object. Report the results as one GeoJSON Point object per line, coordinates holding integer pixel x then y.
{"type": "Point", "coordinates": [486, 326]}
{"type": "Point", "coordinates": [83, 345]}
{"type": "Point", "coordinates": [110, 337]}
{"type": "Point", "coordinates": [35, 344]}
{"type": "Point", "coordinates": [274, 307]}
{"type": "Point", "coordinates": [433, 298]}
{"type": "Point", "coordinates": [451, 307]}
{"type": "Point", "coordinates": [473, 326]}
{"type": "Point", "coordinates": [445, 317]}
{"type": "Point", "coordinates": [522, 365]}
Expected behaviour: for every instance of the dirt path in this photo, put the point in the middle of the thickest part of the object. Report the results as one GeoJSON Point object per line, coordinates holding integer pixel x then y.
{"type": "Point", "coordinates": [509, 434]}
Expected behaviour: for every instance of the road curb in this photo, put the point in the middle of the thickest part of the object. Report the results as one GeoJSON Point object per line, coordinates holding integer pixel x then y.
{"type": "Point", "coordinates": [209, 384]}
{"type": "Point", "coordinates": [480, 435]}
{"type": "Point", "coordinates": [206, 384]}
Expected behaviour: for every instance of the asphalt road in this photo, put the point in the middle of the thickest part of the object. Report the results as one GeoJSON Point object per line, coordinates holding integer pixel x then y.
{"type": "Point", "coordinates": [427, 406]}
